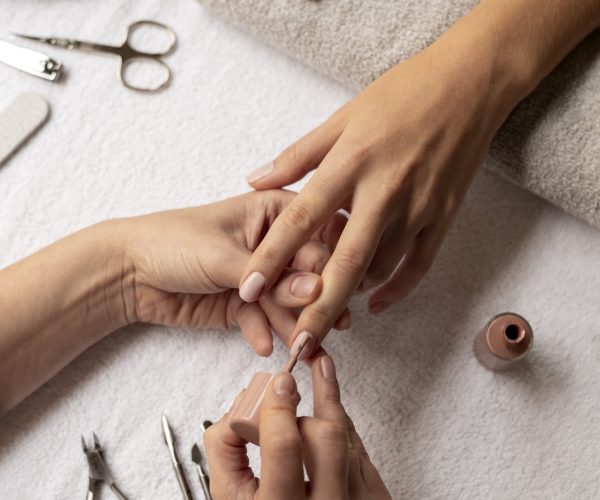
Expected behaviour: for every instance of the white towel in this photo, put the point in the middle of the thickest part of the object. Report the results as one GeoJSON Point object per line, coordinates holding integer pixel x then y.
{"type": "Point", "coordinates": [436, 423]}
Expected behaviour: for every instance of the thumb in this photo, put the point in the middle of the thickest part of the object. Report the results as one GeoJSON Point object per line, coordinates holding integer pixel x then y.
{"type": "Point", "coordinates": [298, 159]}
{"type": "Point", "coordinates": [282, 473]}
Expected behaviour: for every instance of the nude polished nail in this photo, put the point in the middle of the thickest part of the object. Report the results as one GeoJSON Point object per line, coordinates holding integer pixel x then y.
{"type": "Point", "coordinates": [251, 288]}
{"type": "Point", "coordinates": [260, 172]}
{"type": "Point", "coordinates": [328, 368]}
{"type": "Point", "coordinates": [303, 346]}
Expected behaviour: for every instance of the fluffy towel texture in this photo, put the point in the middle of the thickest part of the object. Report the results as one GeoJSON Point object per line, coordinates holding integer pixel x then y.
{"type": "Point", "coordinates": [550, 144]}
{"type": "Point", "coordinates": [435, 422]}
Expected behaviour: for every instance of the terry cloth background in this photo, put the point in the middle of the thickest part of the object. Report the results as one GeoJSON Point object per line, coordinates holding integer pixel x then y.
{"type": "Point", "coordinates": [550, 144]}
{"type": "Point", "coordinates": [436, 423]}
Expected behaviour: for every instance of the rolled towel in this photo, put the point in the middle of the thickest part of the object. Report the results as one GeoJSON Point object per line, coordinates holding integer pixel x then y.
{"type": "Point", "coordinates": [550, 144]}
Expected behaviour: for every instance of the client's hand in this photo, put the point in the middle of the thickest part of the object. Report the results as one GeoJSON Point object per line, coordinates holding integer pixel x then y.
{"type": "Point", "coordinates": [185, 266]}
{"type": "Point", "coordinates": [327, 445]}
{"type": "Point", "coordinates": [173, 268]}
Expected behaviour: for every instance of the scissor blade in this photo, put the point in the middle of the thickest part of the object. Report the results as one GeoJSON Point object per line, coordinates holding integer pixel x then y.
{"type": "Point", "coordinates": [85, 448]}
{"type": "Point", "coordinates": [31, 37]}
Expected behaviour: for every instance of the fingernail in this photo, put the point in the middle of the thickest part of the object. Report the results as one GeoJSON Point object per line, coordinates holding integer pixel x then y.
{"type": "Point", "coordinates": [251, 288]}
{"type": "Point", "coordinates": [379, 307]}
{"type": "Point", "coordinates": [328, 368]}
{"type": "Point", "coordinates": [303, 286]}
{"type": "Point", "coordinates": [260, 172]}
{"type": "Point", "coordinates": [303, 345]}
{"type": "Point", "coordinates": [284, 384]}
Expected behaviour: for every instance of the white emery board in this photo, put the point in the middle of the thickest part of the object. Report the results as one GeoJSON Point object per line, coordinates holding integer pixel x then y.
{"type": "Point", "coordinates": [19, 121]}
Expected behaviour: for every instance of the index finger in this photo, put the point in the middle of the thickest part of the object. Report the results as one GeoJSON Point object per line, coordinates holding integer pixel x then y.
{"type": "Point", "coordinates": [292, 228]}
{"type": "Point", "coordinates": [282, 473]}
{"type": "Point", "coordinates": [341, 277]}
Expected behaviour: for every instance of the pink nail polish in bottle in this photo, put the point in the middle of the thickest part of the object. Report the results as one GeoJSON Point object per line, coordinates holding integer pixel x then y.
{"type": "Point", "coordinates": [506, 338]}
{"type": "Point", "coordinates": [244, 416]}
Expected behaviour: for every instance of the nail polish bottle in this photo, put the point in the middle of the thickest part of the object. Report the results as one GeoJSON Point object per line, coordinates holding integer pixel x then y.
{"type": "Point", "coordinates": [244, 416]}
{"type": "Point", "coordinates": [506, 338]}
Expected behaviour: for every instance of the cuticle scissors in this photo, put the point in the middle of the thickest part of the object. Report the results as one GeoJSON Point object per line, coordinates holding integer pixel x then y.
{"type": "Point", "coordinates": [125, 51]}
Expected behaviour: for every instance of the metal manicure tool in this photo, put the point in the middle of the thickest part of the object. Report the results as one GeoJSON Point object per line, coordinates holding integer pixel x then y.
{"type": "Point", "coordinates": [183, 484]}
{"type": "Point", "coordinates": [202, 475]}
{"type": "Point", "coordinates": [197, 459]}
{"type": "Point", "coordinates": [30, 61]}
{"type": "Point", "coordinates": [126, 52]}
{"type": "Point", "coordinates": [98, 471]}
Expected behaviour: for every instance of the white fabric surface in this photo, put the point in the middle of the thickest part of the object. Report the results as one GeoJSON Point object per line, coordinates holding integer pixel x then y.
{"type": "Point", "coordinates": [436, 423]}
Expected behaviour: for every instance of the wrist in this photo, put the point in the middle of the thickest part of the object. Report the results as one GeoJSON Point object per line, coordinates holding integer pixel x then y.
{"type": "Point", "coordinates": [473, 65]}
{"type": "Point", "coordinates": [115, 272]}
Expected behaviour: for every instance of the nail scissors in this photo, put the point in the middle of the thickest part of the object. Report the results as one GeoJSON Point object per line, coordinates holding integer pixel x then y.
{"type": "Point", "coordinates": [126, 52]}
{"type": "Point", "coordinates": [98, 471]}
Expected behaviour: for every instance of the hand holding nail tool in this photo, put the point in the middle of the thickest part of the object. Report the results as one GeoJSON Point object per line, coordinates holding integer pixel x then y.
{"type": "Point", "coordinates": [183, 484]}
{"type": "Point", "coordinates": [98, 471]}
{"type": "Point", "coordinates": [204, 481]}
{"type": "Point", "coordinates": [125, 51]}
{"type": "Point", "coordinates": [30, 61]}
{"type": "Point", "coordinates": [245, 413]}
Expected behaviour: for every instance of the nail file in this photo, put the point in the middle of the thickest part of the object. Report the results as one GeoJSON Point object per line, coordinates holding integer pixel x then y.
{"type": "Point", "coordinates": [20, 120]}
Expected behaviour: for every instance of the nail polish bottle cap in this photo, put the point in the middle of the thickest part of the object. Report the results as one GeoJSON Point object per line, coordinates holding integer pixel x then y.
{"type": "Point", "coordinates": [509, 336]}
{"type": "Point", "coordinates": [244, 417]}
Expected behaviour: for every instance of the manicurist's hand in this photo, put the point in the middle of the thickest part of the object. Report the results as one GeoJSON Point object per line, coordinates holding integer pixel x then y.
{"type": "Point", "coordinates": [400, 156]}
{"type": "Point", "coordinates": [327, 445]}
{"type": "Point", "coordinates": [173, 268]}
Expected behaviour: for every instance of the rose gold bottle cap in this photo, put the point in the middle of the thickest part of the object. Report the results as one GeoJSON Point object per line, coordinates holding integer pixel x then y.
{"type": "Point", "coordinates": [506, 338]}
{"type": "Point", "coordinates": [244, 416]}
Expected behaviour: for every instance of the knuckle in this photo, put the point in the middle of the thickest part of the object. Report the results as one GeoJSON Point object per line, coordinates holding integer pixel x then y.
{"type": "Point", "coordinates": [333, 432]}
{"type": "Point", "coordinates": [267, 253]}
{"type": "Point", "coordinates": [350, 261]}
{"type": "Point", "coordinates": [297, 216]}
{"type": "Point", "coordinates": [317, 315]}
{"type": "Point", "coordinates": [282, 442]}
{"type": "Point", "coordinates": [294, 155]}
{"type": "Point", "coordinates": [357, 155]}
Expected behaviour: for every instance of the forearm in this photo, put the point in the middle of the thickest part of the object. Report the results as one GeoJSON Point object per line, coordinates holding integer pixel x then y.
{"type": "Point", "coordinates": [55, 304]}
{"type": "Point", "coordinates": [509, 46]}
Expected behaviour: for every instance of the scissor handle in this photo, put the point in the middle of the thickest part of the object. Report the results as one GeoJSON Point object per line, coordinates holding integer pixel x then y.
{"type": "Point", "coordinates": [155, 24]}
{"type": "Point", "coordinates": [162, 83]}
